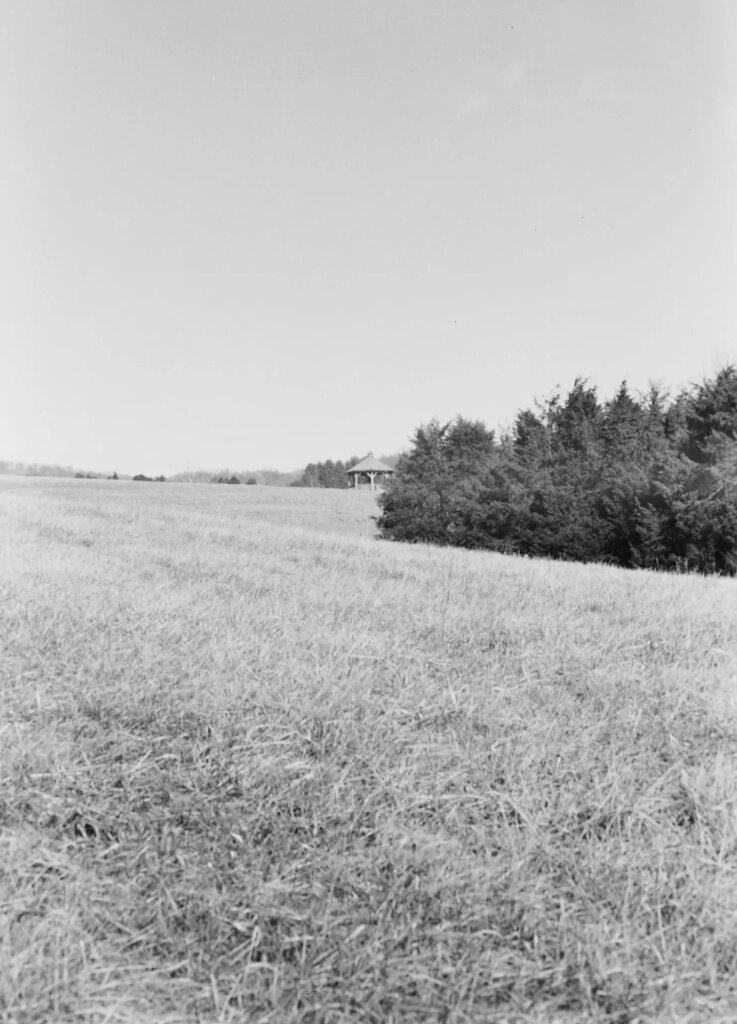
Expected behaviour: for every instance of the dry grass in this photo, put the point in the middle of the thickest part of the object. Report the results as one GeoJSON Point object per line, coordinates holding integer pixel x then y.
{"type": "Point", "coordinates": [258, 766]}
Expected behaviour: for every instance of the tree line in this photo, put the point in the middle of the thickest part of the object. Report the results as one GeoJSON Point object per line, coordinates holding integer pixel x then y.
{"type": "Point", "coordinates": [326, 474]}
{"type": "Point", "coordinates": [44, 469]}
{"type": "Point", "coordinates": [334, 474]}
{"type": "Point", "coordinates": [634, 481]}
{"type": "Point", "coordinates": [265, 477]}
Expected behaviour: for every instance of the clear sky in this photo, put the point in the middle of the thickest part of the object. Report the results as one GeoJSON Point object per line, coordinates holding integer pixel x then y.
{"type": "Point", "coordinates": [255, 233]}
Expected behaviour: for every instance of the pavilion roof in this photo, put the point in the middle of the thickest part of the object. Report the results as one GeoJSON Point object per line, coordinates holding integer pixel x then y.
{"type": "Point", "coordinates": [370, 465]}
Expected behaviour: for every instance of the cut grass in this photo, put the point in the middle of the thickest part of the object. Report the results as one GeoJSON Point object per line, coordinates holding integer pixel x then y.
{"type": "Point", "coordinates": [259, 766]}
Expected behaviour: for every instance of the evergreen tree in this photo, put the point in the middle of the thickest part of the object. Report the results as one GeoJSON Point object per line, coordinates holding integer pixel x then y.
{"type": "Point", "coordinates": [325, 474]}
{"type": "Point", "coordinates": [435, 494]}
{"type": "Point", "coordinates": [711, 417]}
{"type": "Point", "coordinates": [636, 482]}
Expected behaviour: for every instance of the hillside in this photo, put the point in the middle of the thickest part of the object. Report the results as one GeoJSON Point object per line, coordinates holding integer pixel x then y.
{"type": "Point", "coordinates": [257, 765]}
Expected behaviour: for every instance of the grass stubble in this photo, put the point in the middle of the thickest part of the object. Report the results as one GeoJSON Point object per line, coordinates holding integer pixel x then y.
{"type": "Point", "coordinates": [258, 766]}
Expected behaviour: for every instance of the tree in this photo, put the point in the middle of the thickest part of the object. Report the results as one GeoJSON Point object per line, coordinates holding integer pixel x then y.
{"type": "Point", "coordinates": [325, 474]}
{"type": "Point", "coordinates": [636, 481]}
{"type": "Point", "coordinates": [435, 495]}
{"type": "Point", "coordinates": [710, 415]}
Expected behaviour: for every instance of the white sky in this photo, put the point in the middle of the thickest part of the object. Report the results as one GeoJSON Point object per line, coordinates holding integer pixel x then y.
{"type": "Point", "coordinates": [257, 233]}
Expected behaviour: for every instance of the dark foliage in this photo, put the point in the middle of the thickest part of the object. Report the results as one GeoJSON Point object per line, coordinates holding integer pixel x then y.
{"type": "Point", "coordinates": [636, 482]}
{"type": "Point", "coordinates": [438, 498]}
{"type": "Point", "coordinates": [325, 474]}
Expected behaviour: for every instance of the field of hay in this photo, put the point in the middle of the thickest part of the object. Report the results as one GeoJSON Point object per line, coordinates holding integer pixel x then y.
{"type": "Point", "coordinates": [258, 766]}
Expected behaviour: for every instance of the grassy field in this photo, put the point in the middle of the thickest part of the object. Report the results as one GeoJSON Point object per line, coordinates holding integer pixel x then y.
{"type": "Point", "coordinates": [256, 765]}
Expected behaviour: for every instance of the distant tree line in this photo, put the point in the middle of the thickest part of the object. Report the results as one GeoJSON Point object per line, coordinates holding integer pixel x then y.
{"type": "Point", "coordinates": [233, 479]}
{"type": "Point", "coordinates": [333, 474]}
{"type": "Point", "coordinates": [633, 481]}
{"type": "Point", "coordinates": [95, 476]}
{"type": "Point", "coordinates": [269, 477]}
{"type": "Point", "coordinates": [326, 474]}
{"type": "Point", "coordinates": [150, 479]}
{"type": "Point", "coordinates": [44, 469]}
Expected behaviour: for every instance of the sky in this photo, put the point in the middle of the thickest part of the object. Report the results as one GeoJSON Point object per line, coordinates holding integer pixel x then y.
{"type": "Point", "coordinates": [260, 233]}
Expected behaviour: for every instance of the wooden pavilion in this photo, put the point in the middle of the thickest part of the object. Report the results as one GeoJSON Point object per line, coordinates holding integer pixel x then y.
{"type": "Point", "coordinates": [369, 468]}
